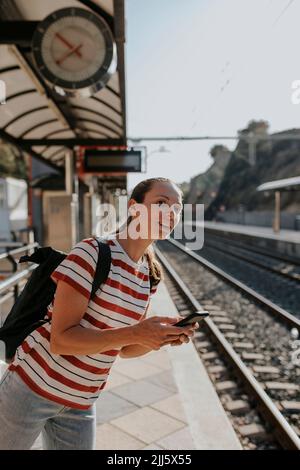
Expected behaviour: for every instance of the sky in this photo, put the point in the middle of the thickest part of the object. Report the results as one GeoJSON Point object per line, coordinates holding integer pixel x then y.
{"type": "Point", "coordinates": [207, 67]}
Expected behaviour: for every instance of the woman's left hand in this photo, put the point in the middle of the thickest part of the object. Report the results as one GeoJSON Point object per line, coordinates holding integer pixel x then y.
{"type": "Point", "coordinates": [183, 338]}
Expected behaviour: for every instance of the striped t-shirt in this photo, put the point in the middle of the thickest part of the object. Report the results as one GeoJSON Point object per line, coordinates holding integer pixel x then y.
{"type": "Point", "coordinates": [76, 381]}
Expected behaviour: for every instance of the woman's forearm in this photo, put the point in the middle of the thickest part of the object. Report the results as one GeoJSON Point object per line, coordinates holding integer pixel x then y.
{"type": "Point", "coordinates": [134, 350]}
{"type": "Point", "coordinates": [78, 340]}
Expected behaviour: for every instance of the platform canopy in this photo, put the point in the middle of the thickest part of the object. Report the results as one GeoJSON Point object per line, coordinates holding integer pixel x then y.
{"type": "Point", "coordinates": [34, 114]}
{"type": "Point", "coordinates": [286, 184]}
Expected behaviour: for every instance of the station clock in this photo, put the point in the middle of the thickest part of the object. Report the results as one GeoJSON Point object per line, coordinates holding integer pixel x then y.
{"type": "Point", "coordinates": [75, 52]}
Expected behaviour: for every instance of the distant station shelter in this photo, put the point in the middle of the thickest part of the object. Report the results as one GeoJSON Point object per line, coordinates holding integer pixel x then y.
{"type": "Point", "coordinates": [277, 186]}
{"type": "Point", "coordinates": [62, 64]}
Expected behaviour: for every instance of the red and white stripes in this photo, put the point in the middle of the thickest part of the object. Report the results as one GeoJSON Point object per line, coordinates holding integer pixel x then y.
{"type": "Point", "coordinates": [76, 381]}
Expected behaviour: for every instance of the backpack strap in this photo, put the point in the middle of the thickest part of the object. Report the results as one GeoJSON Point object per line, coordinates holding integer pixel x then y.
{"type": "Point", "coordinates": [103, 266]}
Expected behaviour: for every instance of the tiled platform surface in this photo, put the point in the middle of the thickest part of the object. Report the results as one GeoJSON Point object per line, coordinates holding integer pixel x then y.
{"type": "Point", "coordinates": [161, 400]}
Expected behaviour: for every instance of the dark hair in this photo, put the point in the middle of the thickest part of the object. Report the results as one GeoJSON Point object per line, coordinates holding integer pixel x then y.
{"type": "Point", "coordinates": [138, 194]}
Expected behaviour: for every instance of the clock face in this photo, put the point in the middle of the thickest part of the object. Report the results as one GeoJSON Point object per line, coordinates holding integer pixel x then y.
{"type": "Point", "coordinates": [74, 50]}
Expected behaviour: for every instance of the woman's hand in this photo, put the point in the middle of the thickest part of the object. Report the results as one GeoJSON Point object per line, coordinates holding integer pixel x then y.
{"type": "Point", "coordinates": [155, 332]}
{"type": "Point", "coordinates": [184, 338]}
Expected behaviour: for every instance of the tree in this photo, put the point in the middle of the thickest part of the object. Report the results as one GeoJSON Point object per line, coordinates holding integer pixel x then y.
{"type": "Point", "coordinates": [12, 162]}
{"type": "Point", "coordinates": [218, 150]}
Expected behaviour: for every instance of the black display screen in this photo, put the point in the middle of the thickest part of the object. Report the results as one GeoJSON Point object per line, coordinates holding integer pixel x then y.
{"type": "Point", "coordinates": [113, 160]}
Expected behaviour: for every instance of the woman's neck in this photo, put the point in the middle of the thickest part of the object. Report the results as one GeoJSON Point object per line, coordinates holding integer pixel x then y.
{"type": "Point", "coordinates": [135, 248]}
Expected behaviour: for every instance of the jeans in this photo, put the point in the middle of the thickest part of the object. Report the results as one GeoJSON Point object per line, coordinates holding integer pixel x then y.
{"type": "Point", "coordinates": [24, 415]}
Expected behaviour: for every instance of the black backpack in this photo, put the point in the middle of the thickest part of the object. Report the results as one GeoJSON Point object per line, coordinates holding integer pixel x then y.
{"type": "Point", "coordinates": [30, 308]}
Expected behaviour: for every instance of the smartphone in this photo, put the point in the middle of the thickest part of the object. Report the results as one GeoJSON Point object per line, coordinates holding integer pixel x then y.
{"type": "Point", "coordinates": [192, 318]}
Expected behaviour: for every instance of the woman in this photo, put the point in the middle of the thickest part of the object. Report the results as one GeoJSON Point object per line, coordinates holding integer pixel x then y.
{"type": "Point", "coordinates": [62, 367]}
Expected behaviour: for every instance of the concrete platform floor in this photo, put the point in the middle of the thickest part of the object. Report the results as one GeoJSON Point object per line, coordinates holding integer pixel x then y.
{"type": "Point", "coordinates": [291, 236]}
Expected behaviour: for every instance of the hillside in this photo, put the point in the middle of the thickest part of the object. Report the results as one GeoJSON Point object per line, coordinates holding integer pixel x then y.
{"type": "Point", "coordinates": [203, 188]}
{"type": "Point", "coordinates": [275, 159]}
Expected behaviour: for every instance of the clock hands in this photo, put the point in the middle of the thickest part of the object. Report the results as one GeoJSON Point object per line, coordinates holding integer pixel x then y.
{"type": "Point", "coordinates": [66, 42]}
{"type": "Point", "coordinates": [75, 49]}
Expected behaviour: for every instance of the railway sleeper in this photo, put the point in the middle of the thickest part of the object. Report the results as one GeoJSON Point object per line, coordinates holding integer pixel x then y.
{"type": "Point", "coordinates": [237, 406]}
{"type": "Point", "coordinates": [254, 431]}
{"type": "Point", "coordinates": [287, 406]}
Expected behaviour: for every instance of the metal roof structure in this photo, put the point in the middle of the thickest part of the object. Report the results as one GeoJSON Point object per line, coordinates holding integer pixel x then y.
{"type": "Point", "coordinates": [35, 118]}
{"type": "Point", "coordinates": [286, 184]}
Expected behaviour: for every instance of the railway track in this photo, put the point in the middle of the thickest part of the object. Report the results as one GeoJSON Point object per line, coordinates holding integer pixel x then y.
{"type": "Point", "coordinates": [283, 266]}
{"type": "Point", "coordinates": [262, 250]}
{"type": "Point", "coordinates": [281, 314]}
{"type": "Point", "coordinates": [259, 395]}
{"type": "Point", "coordinates": [273, 278]}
